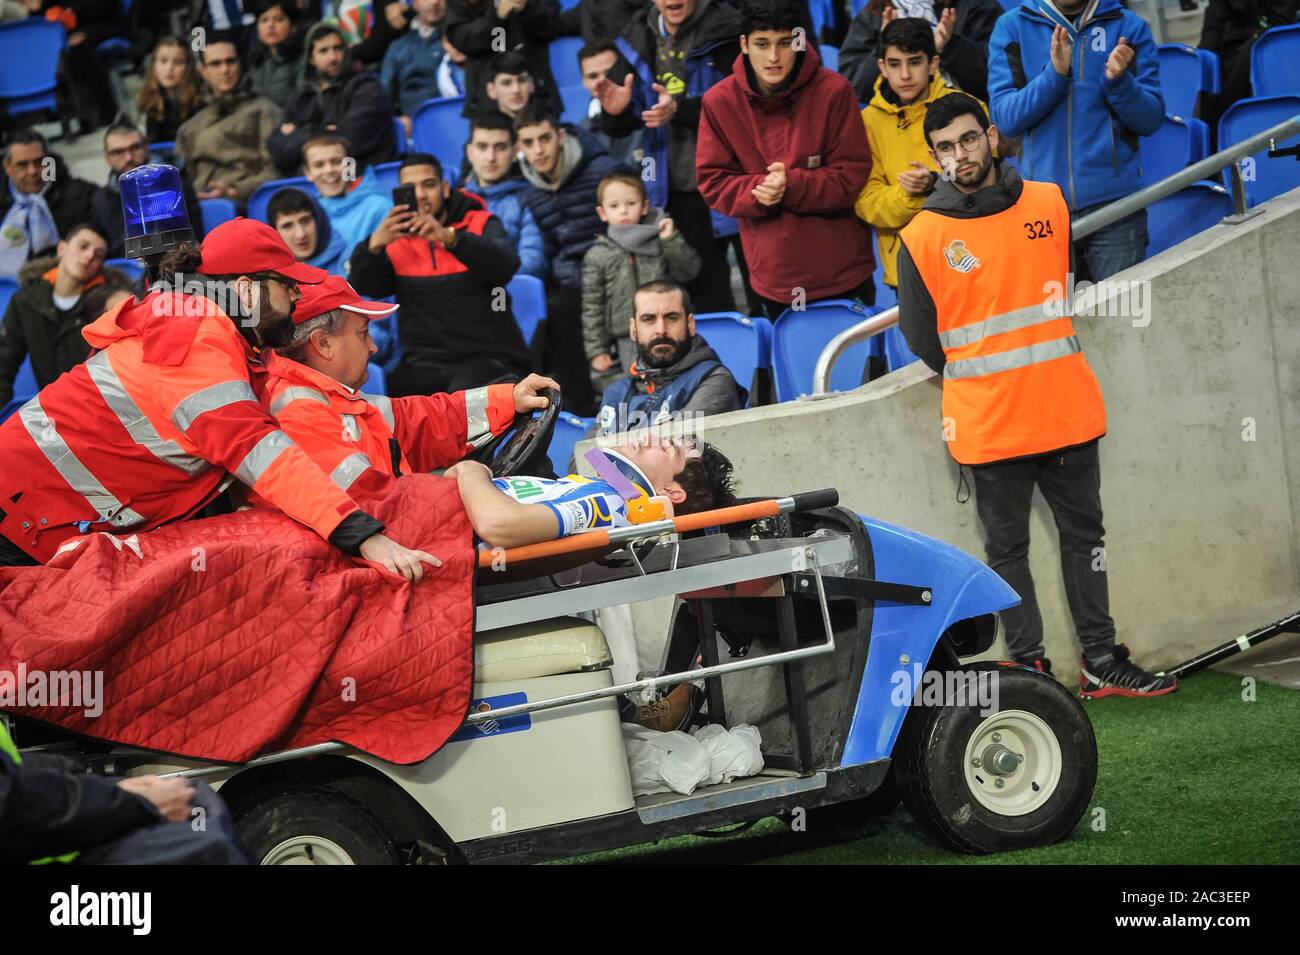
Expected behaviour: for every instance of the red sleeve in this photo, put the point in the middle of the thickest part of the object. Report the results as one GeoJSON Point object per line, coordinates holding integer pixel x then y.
{"type": "Point", "coordinates": [723, 184]}
{"type": "Point", "coordinates": [436, 431]}
{"type": "Point", "coordinates": [835, 184]}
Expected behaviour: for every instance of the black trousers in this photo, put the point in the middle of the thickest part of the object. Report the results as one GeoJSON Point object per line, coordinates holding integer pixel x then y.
{"type": "Point", "coordinates": [1071, 483]}
{"type": "Point", "coordinates": [177, 843]}
{"type": "Point", "coordinates": [562, 355]}
{"type": "Point", "coordinates": [415, 378]}
{"type": "Point", "coordinates": [711, 289]}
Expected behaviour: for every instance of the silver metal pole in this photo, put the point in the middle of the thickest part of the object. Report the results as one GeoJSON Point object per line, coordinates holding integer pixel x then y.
{"type": "Point", "coordinates": [569, 699]}
{"type": "Point", "coordinates": [1086, 226]}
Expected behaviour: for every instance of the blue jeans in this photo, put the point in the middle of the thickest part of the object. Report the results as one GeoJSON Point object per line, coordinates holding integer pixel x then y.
{"type": "Point", "coordinates": [1111, 249]}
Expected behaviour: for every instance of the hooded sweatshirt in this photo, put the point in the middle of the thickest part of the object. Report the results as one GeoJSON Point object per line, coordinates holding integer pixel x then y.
{"type": "Point", "coordinates": [332, 250]}
{"type": "Point", "coordinates": [717, 391]}
{"type": "Point", "coordinates": [811, 239]}
{"type": "Point", "coordinates": [896, 136]}
{"type": "Point", "coordinates": [353, 102]}
{"type": "Point", "coordinates": [356, 213]}
{"type": "Point", "coordinates": [565, 209]}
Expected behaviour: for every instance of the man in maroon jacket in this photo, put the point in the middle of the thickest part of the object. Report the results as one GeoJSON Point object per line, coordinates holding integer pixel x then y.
{"type": "Point", "coordinates": [782, 148]}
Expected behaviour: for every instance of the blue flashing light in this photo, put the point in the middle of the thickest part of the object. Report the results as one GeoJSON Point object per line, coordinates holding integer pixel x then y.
{"type": "Point", "coordinates": [152, 201]}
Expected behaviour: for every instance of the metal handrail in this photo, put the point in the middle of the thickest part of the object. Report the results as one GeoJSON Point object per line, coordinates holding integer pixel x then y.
{"type": "Point", "coordinates": [1087, 225]}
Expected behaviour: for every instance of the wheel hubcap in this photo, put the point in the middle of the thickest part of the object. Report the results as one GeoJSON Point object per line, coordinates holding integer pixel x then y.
{"type": "Point", "coordinates": [1013, 763]}
{"type": "Point", "coordinates": [308, 850]}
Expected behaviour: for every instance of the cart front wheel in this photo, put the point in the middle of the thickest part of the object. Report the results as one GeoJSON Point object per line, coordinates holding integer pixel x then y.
{"type": "Point", "coordinates": [1011, 776]}
{"type": "Point", "coordinates": [311, 825]}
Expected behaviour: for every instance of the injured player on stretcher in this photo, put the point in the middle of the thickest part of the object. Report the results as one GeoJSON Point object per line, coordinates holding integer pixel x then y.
{"type": "Point", "coordinates": [366, 441]}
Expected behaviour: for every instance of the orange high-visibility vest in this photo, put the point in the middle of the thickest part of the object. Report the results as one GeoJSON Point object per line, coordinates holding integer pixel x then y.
{"type": "Point", "coordinates": [1016, 382]}
{"type": "Point", "coordinates": [148, 431]}
{"type": "Point", "coordinates": [364, 441]}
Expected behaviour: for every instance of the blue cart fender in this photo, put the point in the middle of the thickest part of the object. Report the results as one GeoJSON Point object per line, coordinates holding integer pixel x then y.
{"type": "Point", "coordinates": [903, 636]}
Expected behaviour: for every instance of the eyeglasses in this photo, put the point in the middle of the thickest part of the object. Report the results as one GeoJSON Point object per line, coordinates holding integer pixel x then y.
{"type": "Point", "coordinates": [967, 141]}
{"type": "Point", "coordinates": [133, 148]}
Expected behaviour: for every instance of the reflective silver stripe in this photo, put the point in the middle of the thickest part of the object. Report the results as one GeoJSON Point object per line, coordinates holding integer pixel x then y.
{"type": "Point", "coordinates": [385, 406]}
{"type": "Point", "coordinates": [208, 399]}
{"type": "Point", "coordinates": [263, 455]}
{"type": "Point", "coordinates": [295, 393]}
{"type": "Point", "coordinates": [78, 476]}
{"type": "Point", "coordinates": [137, 425]}
{"type": "Point", "coordinates": [1010, 322]}
{"type": "Point", "coordinates": [476, 417]}
{"type": "Point", "coordinates": [1015, 358]}
{"type": "Point", "coordinates": [349, 469]}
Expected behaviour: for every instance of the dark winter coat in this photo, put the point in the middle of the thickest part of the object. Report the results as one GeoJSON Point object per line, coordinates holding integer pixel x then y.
{"type": "Point", "coordinates": [69, 200]}
{"type": "Point", "coordinates": [471, 26]}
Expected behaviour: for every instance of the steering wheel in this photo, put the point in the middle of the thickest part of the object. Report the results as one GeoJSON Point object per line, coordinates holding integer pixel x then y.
{"type": "Point", "coordinates": [527, 435]}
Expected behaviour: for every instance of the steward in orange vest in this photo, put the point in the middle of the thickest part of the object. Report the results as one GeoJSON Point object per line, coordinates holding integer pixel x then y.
{"type": "Point", "coordinates": [982, 274]}
{"type": "Point", "coordinates": [457, 326]}
{"type": "Point", "coordinates": [365, 441]}
{"type": "Point", "coordinates": [986, 279]}
{"type": "Point", "coordinates": [166, 414]}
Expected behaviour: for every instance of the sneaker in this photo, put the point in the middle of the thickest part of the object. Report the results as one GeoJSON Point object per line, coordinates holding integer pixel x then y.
{"type": "Point", "coordinates": [1119, 677]}
{"type": "Point", "coordinates": [673, 712]}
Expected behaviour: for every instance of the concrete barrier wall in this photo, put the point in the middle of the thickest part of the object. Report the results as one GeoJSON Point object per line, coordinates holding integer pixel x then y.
{"type": "Point", "coordinates": [1200, 465]}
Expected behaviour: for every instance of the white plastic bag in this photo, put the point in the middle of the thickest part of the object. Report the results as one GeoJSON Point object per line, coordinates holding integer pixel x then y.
{"type": "Point", "coordinates": [733, 754]}
{"type": "Point", "coordinates": [664, 762]}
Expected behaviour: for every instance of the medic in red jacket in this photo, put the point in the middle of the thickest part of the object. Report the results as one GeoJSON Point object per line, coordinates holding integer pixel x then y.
{"type": "Point", "coordinates": [166, 413]}
{"type": "Point", "coordinates": [365, 441]}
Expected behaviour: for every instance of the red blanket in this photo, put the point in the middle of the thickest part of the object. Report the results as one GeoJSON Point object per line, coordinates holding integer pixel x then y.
{"type": "Point", "coordinates": [232, 636]}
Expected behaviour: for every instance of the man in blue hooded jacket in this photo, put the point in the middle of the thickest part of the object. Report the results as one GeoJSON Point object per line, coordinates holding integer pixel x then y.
{"type": "Point", "coordinates": [495, 176]}
{"type": "Point", "coordinates": [1079, 82]}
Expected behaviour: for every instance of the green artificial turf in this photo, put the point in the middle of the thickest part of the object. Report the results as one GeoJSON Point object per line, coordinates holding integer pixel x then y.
{"type": "Point", "coordinates": [1199, 776]}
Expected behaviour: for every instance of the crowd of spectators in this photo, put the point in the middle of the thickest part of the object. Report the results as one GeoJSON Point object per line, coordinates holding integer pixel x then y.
{"type": "Point", "coordinates": [716, 152]}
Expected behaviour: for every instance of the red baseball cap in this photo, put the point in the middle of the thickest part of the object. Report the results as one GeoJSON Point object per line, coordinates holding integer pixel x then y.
{"type": "Point", "coordinates": [246, 247]}
{"type": "Point", "coordinates": [334, 293]}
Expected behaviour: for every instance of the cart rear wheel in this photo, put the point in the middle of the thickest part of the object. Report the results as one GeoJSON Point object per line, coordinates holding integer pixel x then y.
{"type": "Point", "coordinates": [1018, 777]}
{"type": "Point", "coordinates": [311, 825]}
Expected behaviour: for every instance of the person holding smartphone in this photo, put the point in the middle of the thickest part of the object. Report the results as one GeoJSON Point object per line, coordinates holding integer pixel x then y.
{"type": "Point", "coordinates": [447, 259]}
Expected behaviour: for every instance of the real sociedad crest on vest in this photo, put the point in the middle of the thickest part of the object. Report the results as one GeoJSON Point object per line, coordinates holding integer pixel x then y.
{"type": "Point", "coordinates": [959, 257]}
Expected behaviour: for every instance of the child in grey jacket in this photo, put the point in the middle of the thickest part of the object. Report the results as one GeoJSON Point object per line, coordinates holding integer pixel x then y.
{"type": "Point", "coordinates": [640, 245]}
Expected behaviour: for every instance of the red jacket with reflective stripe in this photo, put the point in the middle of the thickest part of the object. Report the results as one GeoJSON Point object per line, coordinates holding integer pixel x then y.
{"type": "Point", "coordinates": [147, 429]}
{"type": "Point", "coordinates": [361, 440]}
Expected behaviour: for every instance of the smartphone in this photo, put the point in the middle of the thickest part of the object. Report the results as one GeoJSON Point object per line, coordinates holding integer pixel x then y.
{"type": "Point", "coordinates": [405, 196]}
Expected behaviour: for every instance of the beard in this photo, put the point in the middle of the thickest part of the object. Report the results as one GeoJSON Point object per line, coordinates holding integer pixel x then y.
{"type": "Point", "coordinates": [272, 327]}
{"type": "Point", "coordinates": [976, 177]}
{"type": "Point", "coordinates": [647, 358]}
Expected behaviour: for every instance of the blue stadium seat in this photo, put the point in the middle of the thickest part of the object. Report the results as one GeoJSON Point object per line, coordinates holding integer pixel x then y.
{"type": "Point", "coordinates": [576, 101]}
{"type": "Point", "coordinates": [399, 136]}
{"type": "Point", "coordinates": [24, 389]}
{"type": "Point", "coordinates": [1275, 61]}
{"type": "Point", "coordinates": [569, 4]}
{"type": "Point", "coordinates": [885, 296]}
{"type": "Point", "coordinates": [830, 56]}
{"type": "Point", "coordinates": [385, 175]}
{"type": "Point", "coordinates": [1174, 145]}
{"type": "Point", "coordinates": [799, 337]}
{"type": "Point", "coordinates": [744, 344]}
{"type": "Point", "coordinates": [215, 212]}
{"type": "Point", "coordinates": [131, 267]}
{"type": "Point", "coordinates": [261, 196]}
{"type": "Point", "coordinates": [563, 54]}
{"type": "Point", "coordinates": [30, 51]}
{"type": "Point", "coordinates": [528, 301]}
{"type": "Point", "coordinates": [1264, 177]}
{"type": "Point", "coordinates": [7, 288]}
{"type": "Point", "coordinates": [376, 383]}
{"type": "Point", "coordinates": [569, 429]}
{"type": "Point", "coordinates": [1182, 77]}
{"type": "Point", "coordinates": [1188, 211]}
{"type": "Point", "coordinates": [822, 14]}
{"type": "Point", "coordinates": [165, 149]}
{"type": "Point", "coordinates": [439, 128]}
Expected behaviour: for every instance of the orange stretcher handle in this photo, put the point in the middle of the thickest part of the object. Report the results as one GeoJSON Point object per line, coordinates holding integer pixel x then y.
{"type": "Point", "coordinates": [598, 540]}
